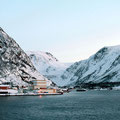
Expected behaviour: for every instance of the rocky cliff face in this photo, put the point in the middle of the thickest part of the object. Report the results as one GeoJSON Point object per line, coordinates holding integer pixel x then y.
{"type": "Point", "coordinates": [15, 65]}
{"type": "Point", "coordinates": [104, 66]}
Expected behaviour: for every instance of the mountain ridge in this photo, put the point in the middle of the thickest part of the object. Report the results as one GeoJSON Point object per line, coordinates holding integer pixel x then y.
{"type": "Point", "coordinates": [103, 66]}
{"type": "Point", "coordinates": [15, 65]}
{"type": "Point", "coordinates": [47, 64]}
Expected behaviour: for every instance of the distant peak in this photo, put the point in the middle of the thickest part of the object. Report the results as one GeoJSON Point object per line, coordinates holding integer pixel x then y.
{"type": "Point", "coordinates": [49, 54]}
{"type": "Point", "coordinates": [41, 53]}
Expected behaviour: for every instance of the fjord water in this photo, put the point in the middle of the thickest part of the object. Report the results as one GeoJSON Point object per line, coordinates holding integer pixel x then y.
{"type": "Point", "coordinates": [90, 105]}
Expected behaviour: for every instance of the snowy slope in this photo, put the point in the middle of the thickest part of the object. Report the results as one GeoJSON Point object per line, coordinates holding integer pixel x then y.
{"type": "Point", "coordinates": [47, 65]}
{"type": "Point", "coordinates": [15, 65]}
{"type": "Point", "coordinates": [104, 66]}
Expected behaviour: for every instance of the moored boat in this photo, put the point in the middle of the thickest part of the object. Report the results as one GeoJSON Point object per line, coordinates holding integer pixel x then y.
{"type": "Point", "coordinates": [81, 90]}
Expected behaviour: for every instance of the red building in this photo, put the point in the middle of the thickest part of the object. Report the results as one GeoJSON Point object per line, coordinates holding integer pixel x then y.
{"type": "Point", "coordinates": [4, 87]}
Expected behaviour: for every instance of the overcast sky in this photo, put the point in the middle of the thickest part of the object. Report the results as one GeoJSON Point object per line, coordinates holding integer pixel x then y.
{"type": "Point", "coordinates": [71, 30]}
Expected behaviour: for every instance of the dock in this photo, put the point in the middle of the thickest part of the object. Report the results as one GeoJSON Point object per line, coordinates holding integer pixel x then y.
{"type": "Point", "coordinates": [31, 94]}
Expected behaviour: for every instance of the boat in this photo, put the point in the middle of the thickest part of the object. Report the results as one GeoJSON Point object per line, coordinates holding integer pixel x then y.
{"type": "Point", "coordinates": [81, 90]}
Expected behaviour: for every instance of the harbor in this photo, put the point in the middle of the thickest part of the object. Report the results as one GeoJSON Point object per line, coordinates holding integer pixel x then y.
{"type": "Point", "coordinates": [36, 88]}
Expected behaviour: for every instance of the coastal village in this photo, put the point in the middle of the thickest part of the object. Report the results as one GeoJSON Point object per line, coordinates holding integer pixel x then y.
{"type": "Point", "coordinates": [38, 87]}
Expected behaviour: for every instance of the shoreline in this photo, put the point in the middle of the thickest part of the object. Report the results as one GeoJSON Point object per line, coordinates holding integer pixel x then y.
{"type": "Point", "coordinates": [30, 94]}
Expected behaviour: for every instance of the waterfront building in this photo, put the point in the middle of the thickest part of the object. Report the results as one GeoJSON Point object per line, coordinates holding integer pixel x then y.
{"type": "Point", "coordinates": [41, 87]}
{"type": "Point", "coordinates": [49, 90]}
{"type": "Point", "coordinates": [38, 84]}
{"type": "Point", "coordinates": [6, 89]}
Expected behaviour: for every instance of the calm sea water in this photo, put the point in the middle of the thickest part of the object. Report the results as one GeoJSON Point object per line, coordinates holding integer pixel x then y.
{"type": "Point", "coordinates": [90, 105]}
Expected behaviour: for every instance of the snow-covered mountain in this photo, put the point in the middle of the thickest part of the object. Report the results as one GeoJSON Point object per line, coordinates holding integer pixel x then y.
{"type": "Point", "coordinates": [47, 65]}
{"type": "Point", "coordinates": [104, 66]}
{"type": "Point", "coordinates": [15, 65]}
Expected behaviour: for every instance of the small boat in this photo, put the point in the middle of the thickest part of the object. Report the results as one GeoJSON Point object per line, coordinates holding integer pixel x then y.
{"type": "Point", "coordinates": [81, 90]}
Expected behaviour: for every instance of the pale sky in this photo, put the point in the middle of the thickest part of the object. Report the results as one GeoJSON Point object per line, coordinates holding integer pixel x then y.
{"type": "Point", "coordinates": [72, 30]}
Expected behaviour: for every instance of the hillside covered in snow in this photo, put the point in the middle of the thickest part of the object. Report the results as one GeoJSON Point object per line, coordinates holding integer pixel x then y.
{"type": "Point", "coordinates": [48, 65]}
{"type": "Point", "coordinates": [15, 65]}
{"type": "Point", "coordinates": [104, 66]}
{"type": "Point", "coordinates": [21, 68]}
